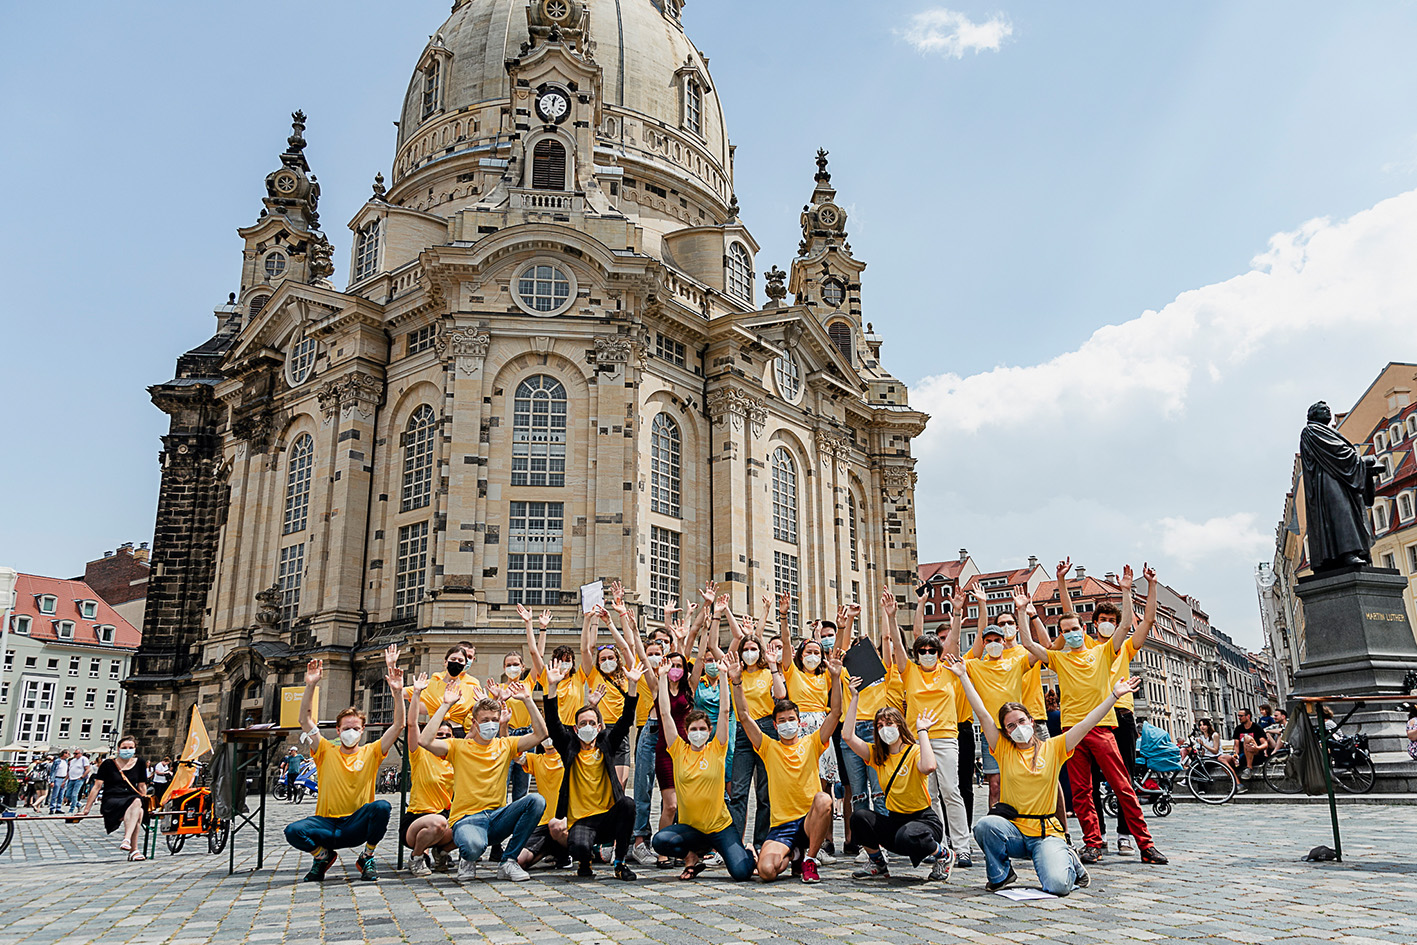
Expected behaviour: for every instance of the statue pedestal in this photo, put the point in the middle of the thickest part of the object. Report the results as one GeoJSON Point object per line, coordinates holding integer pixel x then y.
{"type": "Point", "coordinates": [1357, 640]}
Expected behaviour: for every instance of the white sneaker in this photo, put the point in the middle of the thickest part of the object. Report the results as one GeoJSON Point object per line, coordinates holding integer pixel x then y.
{"type": "Point", "coordinates": [510, 869]}
{"type": "Point", "coordinates": [713, 861]}
{"type": "Point", "coordinates": [641, 853]}
{"type": "Point", "coordinates": [467, 870]}
{"type": "Point", "coordinates": [1124, 846]}
{"type": "Point", "coordinates": [825, 858]}
{"type": "Point", "coordinates": [420, 867]}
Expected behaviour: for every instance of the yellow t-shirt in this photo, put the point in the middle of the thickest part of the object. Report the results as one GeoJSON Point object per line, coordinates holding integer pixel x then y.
{"type": "Point", "coordinates": [1033, 690]}
{"type": "Point", "coordinates": [647, 702]}
{"type": "Point", "coordinates": [570, 696]}
{"type": "Point", "coordinates": [792, 776]}
{"type": "Point", "coordinates": [964, 712]}
{"type": "Point", "coordinates": [811, 691]}
{"type": "Point", "coordinates": [432, 790]}
{"type": "Point", "coordinates": [895, 690]}
{"type": "Point", "coordinates": [479, 774]}
{"type": "Point", "coordinates": [698, 785]}
{"type": "Point", "coordinates": [549, 772]}
{"type": "Point", "coordinates": [457, 713]}
{"type": "Point", "coordinates": [908, 794]}
{"type": "Point", "coordinates": [521, 717]}
{"type": "Point", "coordinates": [930, 691]}
{"type": "Point", "coordinates": [998, 681]}
{"type": "Point", "coordinates": [1031, 788]}
{"type": "Point", "coordinates": [1122, 669]}
{"type": "Point", "coordinates": [346, 781]}
{"type": "Point", "coordinates": [613, 703]}
{"type": "Point", "coordinates": [590, 786]}
{"type": "Point", "coordinates": [1084, 682]}
{"type": "Point", "coordinates": [757, 692]}
{"type": "Point", "coordinates": [874, 697]}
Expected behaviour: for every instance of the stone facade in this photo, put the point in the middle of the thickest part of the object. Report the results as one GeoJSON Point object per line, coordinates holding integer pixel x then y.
{"type": "Point", "coordinates": [548, 368]}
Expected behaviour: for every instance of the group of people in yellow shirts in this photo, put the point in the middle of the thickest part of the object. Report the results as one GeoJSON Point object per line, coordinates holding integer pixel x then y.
{"type": "Point", "coordinates": [762, 715]}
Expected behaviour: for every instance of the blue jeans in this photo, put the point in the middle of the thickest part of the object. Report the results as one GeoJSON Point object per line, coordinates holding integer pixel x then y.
{"type": "Point", "coordinates": [1056, 864]}
{"type": "Point", "coordinates": [517, 820]}
{"type": "Point", "coordinates": [518, 780]}
{"type": "Point", "coordinates": [366, 825]}
{"type": "Point", "coordinates": [644, 775]}
{"type": "Point", "coordinates": [677, 840]}
{"type": "Point", "coordinates": [72, 789]}
{"type": "Point", "coordinates": [860, 777]}
{"type": "Point", "coordinates": [747, 766]}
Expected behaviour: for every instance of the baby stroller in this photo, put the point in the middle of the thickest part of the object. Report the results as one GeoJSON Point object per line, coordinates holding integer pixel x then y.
{"type": "Point", "coordinates": [1158, 763]}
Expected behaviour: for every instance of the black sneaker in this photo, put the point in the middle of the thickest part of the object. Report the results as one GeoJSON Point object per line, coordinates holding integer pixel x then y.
{"type": "Point", "coordinates": [564, 862]}
{"type": "Point", "coordinates": [320, 867]}
{"type": "Point", "coordinates": [585, 872]}
{"type": "Point", "coordinates": [623, 871]}
{"type": "Point", "coordinates": [367, 872]}
{"type": "Point", "coordinates": [1008, 880]}
{"type": "Point", "coordinates": [851, 850]}
{"type": "Point", "coordinates": [1083, 878]}
{"type": "Point", "coordinates": [1153, 855]}
{"type": "Point", "coordinates": [1090, 855]}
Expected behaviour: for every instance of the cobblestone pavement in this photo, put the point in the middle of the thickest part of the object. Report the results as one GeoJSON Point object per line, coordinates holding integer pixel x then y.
{"type": "Point", "coordinates": [1235, 876]}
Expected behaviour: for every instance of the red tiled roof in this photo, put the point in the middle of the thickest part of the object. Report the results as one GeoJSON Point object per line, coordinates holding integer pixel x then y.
{"type": "Point", "coordinates": [948, 569]}
{"type": "Point", "coordinates": [68, 594]}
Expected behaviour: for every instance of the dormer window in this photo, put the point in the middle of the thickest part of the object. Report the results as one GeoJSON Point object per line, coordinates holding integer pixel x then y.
{"type": "Point", "coordinates": [694, 107]}
{"type": "Point", "coordinates": [739, 266]}
{"type": "Point", "coordinates": [88, 609]}
{"type": "Point", "coordinates": [105, 633]}
{"type": "Point", "coordinates": [64, 629]}
{"type": "Point", "coordinates": [1379, 442]}
{"type": "Point", "coordinates": [432, 86]}
{"type": "Point", "coordinates": [1394, 434]}
{"type": "Point", "coordinates": [366, 251]}
{"type": "Point", "coordinates": [22, 624]}
{"type": "Point", "coordinates": [48, 603]}
{"type": "Point", "coordinates": [1380, 517]}
{"type": "Point", "coordinates": [548, 165]}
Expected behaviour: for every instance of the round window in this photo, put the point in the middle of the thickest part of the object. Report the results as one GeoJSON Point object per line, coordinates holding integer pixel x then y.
{"type": "Point", "coordinates": [544, 289]}
{"type": "Point", "coordinates": [788, 376]}
{"type": "Point", "coordinates": [833, 293]}
{"type": "Point", "coordinates": [275, 265]}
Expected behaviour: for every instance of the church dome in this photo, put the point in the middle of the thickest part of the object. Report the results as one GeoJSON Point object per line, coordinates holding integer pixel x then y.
{"type": "Point", "coordinates": [646, 63]}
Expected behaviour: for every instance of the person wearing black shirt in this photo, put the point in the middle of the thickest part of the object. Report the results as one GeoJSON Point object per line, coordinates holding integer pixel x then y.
{"type": "Point", "coordinates": [124, 783]}
{"type": "Point", "coordinates": [1251, 744]}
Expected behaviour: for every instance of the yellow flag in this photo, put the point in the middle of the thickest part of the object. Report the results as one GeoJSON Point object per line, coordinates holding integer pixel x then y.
{"type": "Point", "coordinates": [197, 744]}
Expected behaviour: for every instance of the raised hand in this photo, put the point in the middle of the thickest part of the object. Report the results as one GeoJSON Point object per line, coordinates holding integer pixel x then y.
{"type": "Point", "coordinates": [925, 721]}
{"type": "Point", "coordinates": [452, 692]}
{"type": "Point", "coordinates": [545, 619]}
{"type": "Point", "coordinates": [523, 612]}
{"type": "Point", "coordinates": [1125, 686]}
{"type": "Point", "coordinates": [670, 608]}
{"type": "Point", "coordinates": [633, 673]}
{"type": "Point", "coordinates": [617, 597]}
{"type": "Point", "coordinates": [593, 696]}
{"type": "Point", "coordinates": [494, 690]}
{"type": "Point", "coordinates": [391, 656]}
{"type": "Point", "coordinates": [506, 715]}
{"type": "Point", "coordinates": [982, 601]}
{"type": "Point", "coordinates": [1127, 577]}
{"type": "Point", "coordinates": [394, 677]}
{"type": "Point", "coordinates": [420, 683]}
{"type": "Point", "coordinates": [853, 611]}
{"type": "Point", "coordinates": [834, 664]}
{"type": "Point", "coordinates": [1065, 568]}
{"type": "Point", "coordinates": [1021, 601]}
{"type": "Point", "coordinates": [888, 601]}
{"type": "Point", "coordinates": [767, 603]}
{"type": "Point", "coordinates": [554, 674]}
{"type": "Point", "coordinates": [709, 592]}
{"type": "Point", "coordinates": [841, 615]}
{"type": "Point", "coordinates": [314, 672]}
{"type": "Point", "coordinates": [957, 600]}
{"type": "Point", "coordinates": [1148, 572]}
{"type": "Point", "coordinates": [720, 605]}
{"type": "Point", "coordinates": [784, 603]}
{"type": "Point", "coordinates": [854, 683]}
{"type": "Point", "coordinates": [601, 613]}
{"type": "Point", "coordinates": [955, 665]}
{"type": "Point", "coordinates": [733, 667]}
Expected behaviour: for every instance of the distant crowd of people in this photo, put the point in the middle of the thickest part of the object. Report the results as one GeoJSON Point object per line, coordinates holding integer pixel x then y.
{"type": "Point", "coordinates": [57, 783]}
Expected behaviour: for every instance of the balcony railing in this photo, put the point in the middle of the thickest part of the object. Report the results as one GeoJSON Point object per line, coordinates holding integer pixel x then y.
{"type": "Point", "coordinates": [547, 200]}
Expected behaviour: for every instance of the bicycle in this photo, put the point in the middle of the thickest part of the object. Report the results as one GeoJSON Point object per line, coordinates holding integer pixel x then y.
{"type": "Point", "coordinates": [1349, 760]}
{"type": "Point", "coordinates": [1209, 780]}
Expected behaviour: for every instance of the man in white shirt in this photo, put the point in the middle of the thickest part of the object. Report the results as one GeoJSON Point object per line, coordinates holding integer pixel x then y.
{"type": "Point", "coordinates": [58, 781]}
{"type": "Point", "coordinates": [78, 773]}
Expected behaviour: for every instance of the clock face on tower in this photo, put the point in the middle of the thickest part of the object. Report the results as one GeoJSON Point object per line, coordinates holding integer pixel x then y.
{"type": "Point", "coordinates": [553, 105]}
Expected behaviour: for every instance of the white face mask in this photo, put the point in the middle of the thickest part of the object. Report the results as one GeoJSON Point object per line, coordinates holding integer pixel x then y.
{"type": "Point", "coordinates": [489, 730]}
{"type": "Point", "coordinates": [994, 649]}
{"type": "Point", "coordinates": [563, 667]}
{"type": "Point", "coordinates": [1105, 629]}
{"type": "Point", "coordinates": [699, 737]}
{"type": "Point", "coordinates": [350, 737]}
{"type": "Point", "coordinates": [889, 734]}
{"type": "Point", "coordinates": [1010, 631]}
{"type": "Point", "coordinates": [789, 730]}
{"type": "Point", "coordinates": [587, 733]}
{"type": "Point", "coordinates": [608, 666]}
{"type": "Point", "coordinates": [513, 672]}
{"type": "Point", "coordinates": [654, 659]}
{"type": "Point", "coordinates": [1022, 733]}
{"type": "Point", "coordinates": [750, 657]}
{"type": "Point", "coordinates": [928, 660]}
{"type": "Point", "coordinates": [811, 661]}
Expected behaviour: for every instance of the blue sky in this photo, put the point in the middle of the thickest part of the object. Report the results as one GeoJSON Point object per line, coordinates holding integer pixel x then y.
{"type": "Point", "coordinates": [1074, 167]}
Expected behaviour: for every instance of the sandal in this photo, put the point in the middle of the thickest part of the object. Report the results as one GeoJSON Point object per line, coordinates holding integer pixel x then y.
{"type": "Point", "coordinates": [692, 871]}
{"type": "Point", "coordinates": [125, 846]}
{"type": "Point", "coordinates": [136, 856]}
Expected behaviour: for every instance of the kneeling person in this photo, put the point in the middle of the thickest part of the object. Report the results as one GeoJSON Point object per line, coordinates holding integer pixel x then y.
{"type": "Point", "coordinates": [699, 760]}
{"type": "Point", "coordinates": [480, 815]}
{"type": "Point", "coordinates": [346, 814]}
{"type": "Point", "coordinates": [801, 812]}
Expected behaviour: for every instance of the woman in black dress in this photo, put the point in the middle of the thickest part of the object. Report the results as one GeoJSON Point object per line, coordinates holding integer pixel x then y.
{"type": "Point", "coordinates": [124, 782]}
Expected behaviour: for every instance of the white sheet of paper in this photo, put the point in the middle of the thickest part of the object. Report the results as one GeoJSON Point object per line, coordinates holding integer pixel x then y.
{"type": "Point", "coordinates": [592, 596]}
{"type": "Point", "coordinates": [1023, 893]}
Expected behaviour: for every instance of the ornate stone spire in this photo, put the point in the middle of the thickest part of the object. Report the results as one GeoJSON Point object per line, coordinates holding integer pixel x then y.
{"type": "Point", "coordinates": [379, 189]}
{"type": "Point", "coordinates": [292, 191]}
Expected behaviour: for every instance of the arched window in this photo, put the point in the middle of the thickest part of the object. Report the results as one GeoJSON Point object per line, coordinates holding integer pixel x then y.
{"type": "Point", "coordinates": [694, 107]}
{"type": "Point", "coordinates": [539, 433]}
{"type": "Point", "coordinates": [840, 333]}
{"type": "Point", "coordinates": [297, 483]}
{"type": "Point", "coordinates": [665, 444]}
{"type": "Point", "coordinates": [256, 304]}
{"type": "Point", "coordinates": [1412, 425]}
{"type": "Point", "coordinates": [366, 252]}
{"type": "Point", "coordinates": [784, 496]}
{"type": "Point", "coordinates": [432, 87]}
{"type": "Point", "coordinates": [300, 360]}
{"type": "Point", "coordinates": [418, 460]}
{"type": "Point", "coordinates": [851, 528]}
{"type": "Point", "coordinates": [929, 610]}
{"type": "Point", "coordinates": [740, 272]}
{"type": "Point", "coordinates": [548, 165]}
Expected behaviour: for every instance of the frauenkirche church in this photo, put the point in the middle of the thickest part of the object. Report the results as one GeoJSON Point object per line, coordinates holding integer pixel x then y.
{"type": "Point", "coordinates": [549, 366]}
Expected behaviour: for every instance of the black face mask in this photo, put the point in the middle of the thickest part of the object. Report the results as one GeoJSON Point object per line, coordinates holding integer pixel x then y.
{"type": "Point", "coordinates": [455, 669]}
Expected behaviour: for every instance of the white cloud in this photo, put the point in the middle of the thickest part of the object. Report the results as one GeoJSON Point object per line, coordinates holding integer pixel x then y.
{"type": "Point", "coordinates": [953, 34]}
{"type": "Point", "coordinates": [1234, 536]}
{"type": "Point", "coordinates": [1170, 437]}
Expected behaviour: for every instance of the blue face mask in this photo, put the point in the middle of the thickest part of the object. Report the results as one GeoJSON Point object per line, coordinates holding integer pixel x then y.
{"type": "Point", "coordinates": [1072, 639]}
{"type": "Point", "coordinates": [126, 753]}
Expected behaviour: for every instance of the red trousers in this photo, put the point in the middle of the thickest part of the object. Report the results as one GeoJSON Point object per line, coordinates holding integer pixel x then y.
{"type": "Point", "coordinates": [1100, 746]}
